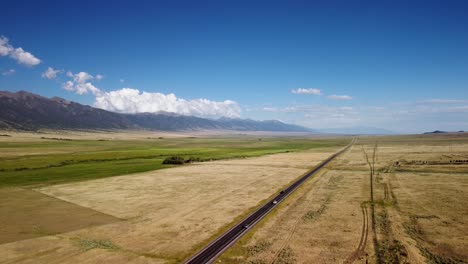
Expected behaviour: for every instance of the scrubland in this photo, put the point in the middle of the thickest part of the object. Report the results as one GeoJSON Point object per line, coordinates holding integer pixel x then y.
{"type": "Point", "coordinates": [63, 206]}
{"type": "Point", "coordinates": [107, 197]}
{"type": "Point", "coordinates": [418, 213]}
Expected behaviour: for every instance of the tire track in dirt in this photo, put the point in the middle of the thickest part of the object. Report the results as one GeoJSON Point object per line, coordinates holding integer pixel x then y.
{"type": "Point", "coordinates": [291, 233]}
{"type": "Point", "coordinates": [363, 241]}
{"type": "Point", "coordinates": [287, 240]}
{"type": "Point", "coordinates": [301, 219]}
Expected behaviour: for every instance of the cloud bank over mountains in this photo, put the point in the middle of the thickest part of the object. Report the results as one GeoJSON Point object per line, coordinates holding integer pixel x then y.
{"type": "Point", "coordinates": [125, 100]}
{"type": "Point", "coordinates": [128, 100]}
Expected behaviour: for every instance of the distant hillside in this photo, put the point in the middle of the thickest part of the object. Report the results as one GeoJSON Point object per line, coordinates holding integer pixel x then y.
{"type": "Point", "coordinates": [442, 132]}
{"type": "Point", "coordinates": [28, 111]}
{"type": "Point", "coordinates": [358, 131]}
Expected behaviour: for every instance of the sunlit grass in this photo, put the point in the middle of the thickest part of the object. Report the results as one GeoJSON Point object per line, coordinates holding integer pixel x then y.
{"type": "Point", "coordinates": [42, 162]}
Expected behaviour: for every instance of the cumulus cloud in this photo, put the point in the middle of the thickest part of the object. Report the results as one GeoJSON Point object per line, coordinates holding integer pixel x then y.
{"type": "Point", "coordinates": [80, 83]}
{"type": "Point", "coordinates": [340, 97]}
{"type": "Point", "coordinates": [270, 109]}
{"type": "Point", "coordinates": [306, 91]}
{"type": "Point", "coordinates": [8, 72]}
{"type": "Point", "coordinates": [99, 77]}
{"type": "Point", "coordinates": [50, 73]}
{"type": "Point", "coordinates": [18, 54]}
{"type": "Point", "coordinates": [442, 101]}
{"type": "Point", "coordinates": [289, 109]}
{"type": "Point", "coordinates": [128, 100]}
{"type": "Point", "coordinates": [5, 48]}
{"type": "Point", "coordinates": [24, 57]}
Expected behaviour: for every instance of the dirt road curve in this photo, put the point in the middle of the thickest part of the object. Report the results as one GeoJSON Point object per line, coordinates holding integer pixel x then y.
{"type": "Point", "coordinates": [219, 245]}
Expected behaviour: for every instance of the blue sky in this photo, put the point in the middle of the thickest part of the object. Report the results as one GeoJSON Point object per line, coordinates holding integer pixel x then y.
{"type": "Point", "coordinates": [402, 65]}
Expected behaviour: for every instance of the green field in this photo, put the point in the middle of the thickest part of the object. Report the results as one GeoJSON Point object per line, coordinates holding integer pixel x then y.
{"type": "Point", "coordinates": [47, 161]}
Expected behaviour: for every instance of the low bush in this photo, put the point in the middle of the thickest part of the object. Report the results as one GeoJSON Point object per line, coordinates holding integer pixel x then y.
{"type": "Point", "coordinates": [193, 159]}
{"type": "Point", "coordinates": [174, 160]}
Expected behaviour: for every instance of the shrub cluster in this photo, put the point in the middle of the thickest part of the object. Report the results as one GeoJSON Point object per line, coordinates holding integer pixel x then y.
{"type": "Point", "coordinates": [174, 160]}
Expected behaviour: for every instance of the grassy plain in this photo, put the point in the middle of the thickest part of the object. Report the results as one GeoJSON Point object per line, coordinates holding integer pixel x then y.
{"type": "Point", "coordinates": [419, 215]}
{"type": "Point", "coordinates": [28, 159]}
{"type": "Point", "coordinates": [154, 216]}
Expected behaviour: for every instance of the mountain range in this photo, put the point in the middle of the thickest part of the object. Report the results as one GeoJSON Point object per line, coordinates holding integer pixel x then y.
{"type": "Point", "coordinates": [27, 111]}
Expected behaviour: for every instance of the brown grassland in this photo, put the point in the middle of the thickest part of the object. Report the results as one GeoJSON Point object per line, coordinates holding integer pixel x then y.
{"type": "Point", "coordinates": [159, 216]}
{"type": "Point", "coordinates": [418, 213]}
{"type": "Point", "coordinates": [420, 208]}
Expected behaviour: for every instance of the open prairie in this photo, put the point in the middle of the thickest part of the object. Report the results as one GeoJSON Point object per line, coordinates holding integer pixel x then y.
{"type": "Point", "coordinates": [62, 206]}
{"type": "Point", "coordinates": [418, 214]}
{"type": "Point", "coordinates": [31, 159]}
{"type": "Point", "coordinates": [164, 213]}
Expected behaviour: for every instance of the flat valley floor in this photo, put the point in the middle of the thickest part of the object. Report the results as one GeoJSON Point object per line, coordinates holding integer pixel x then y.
{"type": "Point", "coordinates": [418, 213]}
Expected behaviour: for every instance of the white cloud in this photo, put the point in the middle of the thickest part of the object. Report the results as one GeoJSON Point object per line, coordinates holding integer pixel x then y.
{"type": "Point", "coordinates": [270, 109]}
{"type": "Point", "coordinates": [306, 91]}
{"type": "Point", "coordinates": [5, 48]}
{"type": "Point", "coordinates": [8, 72]}
{"type": "Point", "coordinates": [50, 73]}
{"type": "Point", "coordinates": [80, 83]}
{"type": "Point", "coordinates": [289, 109]}
{"type": "Point", "coordinates": [80, 88]}
{"type": "Point", "coordinates": [128, 100]}
{"type": "Point", "coordinates": [24, 57]}
{"type": "Point", "coordinates": [99, 77]}
{"type": "Point", "coordinates": [340, 97]}
{"type": "Point", "coordinates": [18, 54]}
{"type": "Point", "coordinates": [443, 101]}
{"type": "Point", "coordinates": [122, 80]}
{"type": "Point", "coordinates": [82, 77]}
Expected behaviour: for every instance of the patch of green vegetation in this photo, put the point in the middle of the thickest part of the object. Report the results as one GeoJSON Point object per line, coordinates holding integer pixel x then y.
{"type": "Point", "coordinates": [286, 256]}
{"type": "Point", "coordinates": [432, 258]}
{"type": "Point", "coordinates": [413, 228]}
{"type": "Point", "coordinates": [177, 160]}
{"type": "Point", "coordinates": [88, 244]}
{"type": "Point", "coordinates": [258, 248]}
{"type": "Point", "coordinates": [314, 214]}
{"type": "Point", "coordinates": [51, 161]}
{"type": "Point", "coordinates": [391, 252]}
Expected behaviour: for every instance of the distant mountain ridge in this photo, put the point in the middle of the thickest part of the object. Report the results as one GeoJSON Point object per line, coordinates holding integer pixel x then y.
{"type": "Point", "coordinates": [442, 132]}
{"type": "Point", "coordinates": [27, 111]}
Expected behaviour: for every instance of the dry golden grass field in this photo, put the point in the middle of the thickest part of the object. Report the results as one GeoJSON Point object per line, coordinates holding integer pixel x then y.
{"type": "Point", "coordinates": [159, 216]}
{"type": "Point", "coordinates": [418, 213]}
